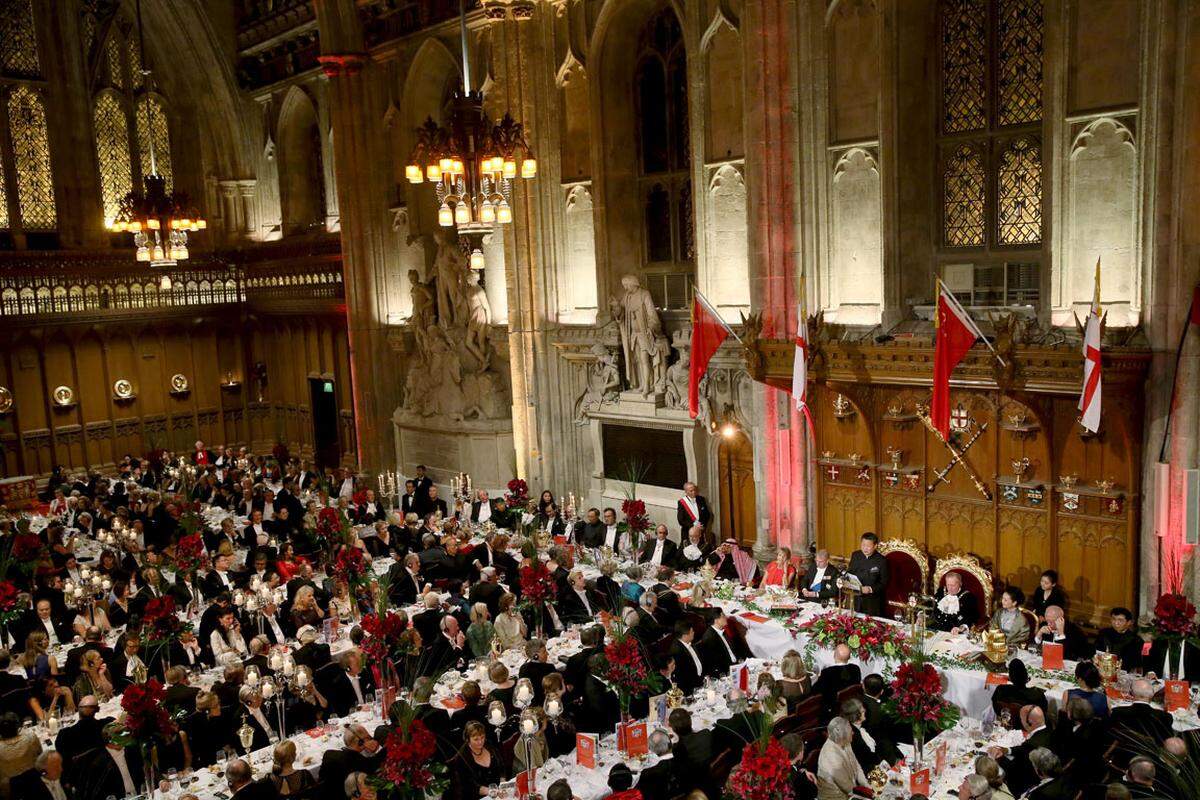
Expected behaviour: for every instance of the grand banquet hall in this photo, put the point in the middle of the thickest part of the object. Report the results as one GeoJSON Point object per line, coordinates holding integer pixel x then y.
{"type": "Point", "coordinates": [588, 399]}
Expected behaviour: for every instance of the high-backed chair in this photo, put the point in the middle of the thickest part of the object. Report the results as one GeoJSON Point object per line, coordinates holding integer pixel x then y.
{"type": "Point", "coordinates": [908, 572]}
{"type": "Point", "coordinates": [975, 579]}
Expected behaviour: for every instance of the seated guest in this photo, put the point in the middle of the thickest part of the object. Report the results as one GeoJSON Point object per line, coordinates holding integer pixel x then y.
{"type": "Point", "coordinates": [552, 522]}
{"type": "Point", "coordinates": [369, 511]}
{"type": "Point", "coordinates": [359, 753]}
{"type": "Point", "coordinates": [718, 654]}
{"type": "Point", "coordinates": [804, 783]}
{"type": "Point", "coordinates": [1121, 638]}
{"type": "Point", "coordinates": [93, 677]}
{"type": "Point", "coordinates": [476, 766]}
{"type": "Point", "coordinates": [286, 779]}
{"type": "Point", "coordinates": [1016, 764]}
{"type": "Point", "coordinates": [956, 610]}
{"type": "Point", "coordinates": [592, 640]}
{"type": "Point", "coordinates": [780, 572]}
{"type": "Point", "coordinates": [659, 780]}
{"type": "Point", "coordinates": [449, 649]}
{"type": "Point", "coordinates": [1139, 718]}
{"type": "Point", "coordinates": [863, 744]}
{"type": "Point", "coordinates": [114, 770]}
{"type": "Point", "coordinates": [659, 550]}
{"type": "Point", "coordinates": [305, 610]}
{"type": "Point", "coordinates": [1048, 593]}
{"type": "Point", "coordinates": [820, 580]}
{"type": "Point", "coordinates": [598, 709]}
{"type": "Point", "coordinates": [405, 581]}
{"type": "Point", "coordinates": [1008, 617]}
{"type": "Point", "coordinates": [502, 686]}
{"type": "Point", "coordinates": [693, 754]}
{"type": "Point", "coordinates": [226, 641]}
{"type": "Point", "coordinates": [838, 772]}
{"type": "Point", "coordinates": [1080, 739]}
{"type": "Point", "coordinates": [589, 530]}
{"type": "Point", "coordinates": [19, 750]}
{"type": "Point", "coordinates": [1018, 691]}
{"type": "Point", "coordinates": [620, 782]}
{"type": "Point", "coordinates": [1139, 779]}
{"type": "Point", "coordinates": [351, 685]}
{"type": "Point", "coordinates": [989, 769]}
{"type": "Point", "coordinates": [732, 563]}
{"type": "Point", "coordinates": [510, 625]}
{"type": "Point", "coordinates": [689, 669]}
{"type": "Point", "coordinates": [86, 734]}
{"type": "Point", "coordinates": [1090, 689]}
{"type": "Point", "coordinates": [252, 711]}
{"type": "Point", "coordinates": [43, 781]}
{"type": "Point", "coordinates": [1060, 630]}
{"type": "Point", "coordinates": [795, 683]}
{"type": "Point", "coordinates": [838, 676]}
{"type": "Point", "coordinates": [481, 631]}
{"type": "Point", "coordinates": [577, 604]}
{"type": "Point", "coordinates": [1049, 784]}
{"type": "Point", "coordinates": [694, 552]}
{"type": "Point", "coordinates": [536, 667]}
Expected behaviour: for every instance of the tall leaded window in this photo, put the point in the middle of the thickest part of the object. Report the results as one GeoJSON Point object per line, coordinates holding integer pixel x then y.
{"type": "Point", "coordinates": [990, 165]}
{"type": "Point", "coordinates": [27, 200]}
{"type": "Point", "coordinates": [128, 117]}
{"type": "Point", "coordinates": [664, 155]}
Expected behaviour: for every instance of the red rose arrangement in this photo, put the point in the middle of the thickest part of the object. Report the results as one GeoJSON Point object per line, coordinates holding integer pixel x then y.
{"type": "Point", "coordinates": [383, 638]}
{"type": "Point", "coordinates": [190, 555]}
{"type": "Point", "coordinates": [1174, 617]}
{"type": "Point", "coordinates": [9, 597]}
{"type": "Point", "coordinates": [409, 770]}
{"type": "Point", "coordinates": [146, 719]}
{"type": "Point", "coordinates": [537, 585]}
{"type": "Point", "coordinates": [517, 494]}
{"type": "Point", "coordinates": [866, 637]}
{"type": "Point", "coordinates": [160, 623]}
{"type": "Point", "coordinates": [332, 528]}
{"type": "Point", "coordinates": [26, 547]}
{"type": "Point", "coordinates": [917, 699]}
{"type": "Point", "coordinates": [359, 497]}
{"type": "Point", "coordinates": [635, 515]}
{"type": "Point", "coordinates": [625, 668]}
{"type": "Point", "coordinates": [350, 566]}
{"type": "Point", "coordinates": [764, 772]}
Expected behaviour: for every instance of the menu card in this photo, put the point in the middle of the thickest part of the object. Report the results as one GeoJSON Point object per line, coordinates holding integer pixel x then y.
{"type": "Point", "coordinates": [1052, 655]}
{"type": "Point", "coordinates": [918, 782]}
{"type": "Point", "coordinates": [1177, 695]}
{"type": "Point", "coordinates": [585, 750]}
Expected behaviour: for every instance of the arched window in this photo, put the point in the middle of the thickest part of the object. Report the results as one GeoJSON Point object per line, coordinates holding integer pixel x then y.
{"type": "Point", "coordinates": [301, 171]}
{"type": "Point", "coordinates": [26, 183]}
{"type": "Point", "coordinates": [128, 117]}
{"type": "Point", "coordinates": [664, 157]}
{"type": "Point", "coordinates": [991, 110]}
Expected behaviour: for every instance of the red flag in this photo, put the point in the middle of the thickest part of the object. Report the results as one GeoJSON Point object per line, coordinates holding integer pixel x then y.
{"type": "Point", "coordinates": [708, 332]}
{"type": "Point", "coordinates": [956, 332]}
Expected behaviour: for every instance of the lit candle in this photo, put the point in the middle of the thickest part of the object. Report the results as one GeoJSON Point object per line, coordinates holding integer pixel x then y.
{"type": "Point", "coordinates": [497, 716]}
{"type": "Point", "coordinates": [106, 584]}
{"type": "Point", "coordinates": [289, 667]}
{"type": "Point", "coordinates": [528, 726]}
{"type": "Point", "coordinates": [276, 661]}
{"type": "Point", "coordinates": [302, 679]}
{"type": "Point", "coordinates": [52, 724]}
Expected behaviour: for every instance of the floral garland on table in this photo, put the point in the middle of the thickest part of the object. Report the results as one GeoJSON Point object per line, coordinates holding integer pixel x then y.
{"type": "Point", "coordinates": [409, 771]}
{"type": "Point", "coordinates": [948, 662]}
{"type": "Point", "coordinates": [866, 637]}
{"type": "Point", "coordinates": [917, 701]}
{"type": "Point", "coordinates": [763, 772]}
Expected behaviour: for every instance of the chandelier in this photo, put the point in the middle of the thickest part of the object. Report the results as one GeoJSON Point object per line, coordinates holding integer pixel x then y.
{"type": "Point", "coordinates": [159, 220]}
{"type": "Point", "coordinates": [471, 162]}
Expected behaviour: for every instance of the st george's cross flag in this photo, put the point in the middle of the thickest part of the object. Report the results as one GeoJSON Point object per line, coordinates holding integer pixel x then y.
{"type": "Point", "coordinates": [708, 332]}
{"type": "Point", "coordinates": [800, 366]}
{"type": "Point", "coordinates": [956, 333]}
{"type": "Point", "coordinates": [1089, 396]}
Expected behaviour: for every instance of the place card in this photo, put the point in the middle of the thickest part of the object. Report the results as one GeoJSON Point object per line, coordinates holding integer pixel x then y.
{"type": "Point", "coordinates": [585, 750]}
{"type": "Point", "coordinates": [1052, 655]}
{"type": "Point", "coordinates": [1177, 696]}
{"type": "Point", "coordinates": [996, 679]}
{"type": "Point", "coordinates": [918, 782]}
{"type": "Point", "coordinates": [635, 739]}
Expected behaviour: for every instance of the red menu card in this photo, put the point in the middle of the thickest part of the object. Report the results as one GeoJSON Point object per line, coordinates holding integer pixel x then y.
{"type": "Point", "coordinates": [1052, 655]}
{"type": "Point", "coordinates": [1177, 695]}
{"type": "Point", "coordinates": [585, 750]}
{"type": "Point", "coordinates": [918, 782]}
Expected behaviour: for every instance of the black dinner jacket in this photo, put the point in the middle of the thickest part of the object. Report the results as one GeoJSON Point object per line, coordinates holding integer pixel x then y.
{"type": "Point", "coordinates": [685, 518]}
{"type": "Point", "coordinates": [828, 584]}
{"type": "Point", "coordinates": [713, 654]}
{"type": "Point", "coordinates": [669, 549]}
{"type": "Point", "coordinates": [686, 676]}
{"type": "Point", "coordinates": [835, 678]}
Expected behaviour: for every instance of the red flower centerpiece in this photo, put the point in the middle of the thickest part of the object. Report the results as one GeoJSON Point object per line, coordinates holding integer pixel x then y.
{"type": "Point", "coordinates": [383, 637]}
{"type": "Point", "coordinates": [409, 771]}
{"type": "Point", "coordinates": [26, 547]}
{"type": "Point", "coordinates": [537, 589]}
{"type": "Point", "coordinates": [917, 700]}
{"type": "Point", "coordinates": [764, 772]}
{"type": "Point", "coordinates": [1174, 623]}
{"type": "Point", "coordinates": [9, 602]}
{"type": "Point", "coordinates": [867, 637]}
{"type": "Point", "coordinates": [350, 566]}
{"type": "Point", "coordinates": [190, 555]}
{"type": "Point", "coordinates": [625, 668]}
{"type": "Point", "coordinates": [332, 529]}
{"type": "Point", "coordinates": [518, 493]}
{"type": "Point", "coordinates": [146, 723]}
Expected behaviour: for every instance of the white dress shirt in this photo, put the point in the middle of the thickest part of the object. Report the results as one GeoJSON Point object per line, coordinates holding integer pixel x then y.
{"type": "Point", "coordinates": [818, 577]}
{"type": "Point", "coordinates": [55, 788]}
{"type": "Point", "coordinates": [584, 598]}
{"type": "Point", "coordinates": [485, 511]}
{"type": "Point", "coordinates": [610, 537]}
{"type": "Point", "coordinates": [695, 658]}
{"type": "Point", "coordinates": [268, 511]}
{"type": "Point", "coordinates": [656, 558]}
{"type": "Point", "coordinates": [118, 756]}
{"type": "Point", "coordinates": [356, 685]}
{"type": "Point", "coordinates": [48, 624]}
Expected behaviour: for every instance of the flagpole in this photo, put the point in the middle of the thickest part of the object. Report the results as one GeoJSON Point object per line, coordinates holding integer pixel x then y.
{"type": "Point", "coordinates": [1187, 324]}
{"type": "Point", "coordinates": [970, 321]}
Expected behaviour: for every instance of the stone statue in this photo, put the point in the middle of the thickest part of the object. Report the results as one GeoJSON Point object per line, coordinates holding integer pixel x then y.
{"type": "Point", "coordinates": [662, 355]}
{"type": "Point", "coordinates": [451, 267]}
{"type": "Point", "coordinates": [603, 382]}
{"type": "Point", "coordinates": [677, 380]}
{"type": "Point", "coordinates": [422, 302]}
{"type": "Point", "coordinates": [479, 317]}
{"type": "Point", "coordinates": [640, 327]}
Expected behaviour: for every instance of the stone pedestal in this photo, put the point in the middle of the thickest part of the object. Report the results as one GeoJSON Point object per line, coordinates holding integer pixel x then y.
{"type": "Point", "coordinates": [481, 448]}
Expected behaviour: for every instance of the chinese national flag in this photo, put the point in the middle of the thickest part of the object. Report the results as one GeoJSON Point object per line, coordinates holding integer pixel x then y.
{"type": "Point", "coordinates": [956, 332]}
{"type": "Point", "coordinates": [708, 332]}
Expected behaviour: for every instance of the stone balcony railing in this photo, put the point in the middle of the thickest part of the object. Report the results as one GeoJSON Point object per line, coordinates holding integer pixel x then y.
{"type": "Point", "coordinates": [85, 286]}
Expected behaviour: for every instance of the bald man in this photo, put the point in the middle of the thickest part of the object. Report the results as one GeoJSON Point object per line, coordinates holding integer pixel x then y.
{"type": "Point", "coordinates": [837, 677]}
{"type": "Point", "coordinates": [1016, 764]}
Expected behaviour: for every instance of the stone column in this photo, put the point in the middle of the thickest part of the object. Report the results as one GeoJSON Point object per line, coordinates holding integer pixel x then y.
{"type": "Point", "coordinates": [365, 226]}
{"type": "Point", "coordinates": [774, 175]}
{"type": "Point", "coordinates": [229, 209]}
{"type": "Point", "coordinates": [247, 194]}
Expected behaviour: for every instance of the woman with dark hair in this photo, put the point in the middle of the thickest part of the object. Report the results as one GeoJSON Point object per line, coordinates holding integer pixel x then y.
{"type": "Point", "coordinates": [118, 605]}
{"type": "Point", "coordinates": [546, 500]}
{"type": "Point", "coordinates": [476, 766]}
{"type": "Point", "coordinates": [1018, 691]}
{"type": "Point", "coordinates": [1009, 618]}
{"type": "Point", "coordinates": [1091, 689]}
{"type": "Point", "coordinates": [1048, 593]}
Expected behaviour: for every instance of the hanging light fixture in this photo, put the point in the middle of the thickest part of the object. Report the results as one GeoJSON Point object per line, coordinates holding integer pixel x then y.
{"type": "Point", "coordinates": [472, 162]}
{"type": "Point", "coordinates": [159, 220]}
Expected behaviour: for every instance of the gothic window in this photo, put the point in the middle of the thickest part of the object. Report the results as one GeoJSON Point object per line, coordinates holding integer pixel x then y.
{"type": "Point", "coordinates": [990, 169]}
{"type": "Point", "coordinates": [130, 121]}
{"type": "Point", "coordinates": [31, 159]}
{"type": "Point", "coordinates": [112, 152]}
{"type": "Point", "coordinates": [664, 151]}
{"type": "Point", "coordinates": [18, 41]}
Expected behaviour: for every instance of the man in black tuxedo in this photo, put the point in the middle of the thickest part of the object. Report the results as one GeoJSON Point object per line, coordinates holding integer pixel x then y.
{"type": "Point", "coordinates": [42, 619]}
{"type": "Point", "coordinates": [693, 754]}
{"type": "Point", "coordinates": [1122, 639]}
{"type": "Point", "coordinates": [659, 780]}
{"type": "Point", "coordinates": [178, 694]}
{"type": "Point", "coordinates": [552, 522]}
{"type": "Point", "coordinates": [112, 770]}
{"type": "Point", "coordinates": [718, 653]}
{"type": "Point", "coordinates": [589, 531]}
{"type": "Point", "coordinates": [599, 710]}
{"type": "Point", "coordinates": [1060, 630]}
{"type": "Point", "coordinates": [448, 649]}
{"type": "Point", "coordinates": [961, 611]}
{"type": "Point", "coordinates": [1021, 774]}
{"type": "Point", "coordinates": [428, 622]}
{"type": "Point", "coordinates": [870, 567]}
{"type": "Point", "coordinates": [405, 580]}
{"type": "Point", "coordinates": [837, 677]}
{"type": "Point", "coordinates": [658, 551]}
{"type": "Point", "coordinates": [86, 734]}
{"type": "Point", "coordinates": [1139, 718]}
{"type": "Point", "coordinates": [435, 504]}
{"type": "Point", "coordinates": [577, 603]}
{"type": "Point", "coordinates": [592, 639]}
{"type": "Point", "coordinates": [422, 483]}
{"type": "Point", "coordinates": [692, 509]}
{"type": "Point", "coordinates": [220, 578]}
{"type": "Point", "coordinates": [43, 781]}
{"type": "Point", "coordinates": [350, 684]}
{"type": "Point", "coordinates": [1049, 783]}
{"type": "Point", "coordinates": [489, 591]}
{"type": "Point", "coordinates": [242, 785]}
{"type": "Point", "coordinates": [481, 507]}
{"type": "Point", "coordinates": [689, 667]}
{"type": "Point", "coordinates": [820, 580]}
{"type": "Point", "coordinates": [410, 502]}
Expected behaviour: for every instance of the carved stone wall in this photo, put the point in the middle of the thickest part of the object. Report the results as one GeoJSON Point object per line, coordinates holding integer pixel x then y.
{"type": "Point", "coordinates": [855, 280]}
{"type": "Point", "coordinates": [726, 233]}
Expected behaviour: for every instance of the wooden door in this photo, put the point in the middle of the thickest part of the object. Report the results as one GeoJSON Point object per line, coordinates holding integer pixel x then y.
{"type": "Point", "coordinates": [738, 512]}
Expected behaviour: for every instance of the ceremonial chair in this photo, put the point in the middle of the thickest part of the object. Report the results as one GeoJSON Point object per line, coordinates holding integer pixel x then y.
{"type": "Point", "coordinates": [854, 692]}
{"type": "Point", "coordinates": [723, 764]}
{"type": "Point", "coordinates": [808, 711]}
{"type": "Point", "coordinates": [908, 573]}
{"type": "Point", "coordinates": [1031, 618]}
{"type": "Point", "coordinates": [975, 579]}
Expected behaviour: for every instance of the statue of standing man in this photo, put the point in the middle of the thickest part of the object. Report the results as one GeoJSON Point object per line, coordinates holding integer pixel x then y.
{"type": "Point", "coordinates": [640, 328]}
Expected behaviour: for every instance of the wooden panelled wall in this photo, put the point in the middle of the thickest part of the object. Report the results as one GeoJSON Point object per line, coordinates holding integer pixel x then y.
{"type": "Point", "coordinates": [1088, 532]}
{"type": "Point", "coordinates": [96, 432]}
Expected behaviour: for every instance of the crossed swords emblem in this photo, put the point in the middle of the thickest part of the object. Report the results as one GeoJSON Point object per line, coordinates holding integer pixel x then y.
{"type": "Point", "coordinates": [958, 456]}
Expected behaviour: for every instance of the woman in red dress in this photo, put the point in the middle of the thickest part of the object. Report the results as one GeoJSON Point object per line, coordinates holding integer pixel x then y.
{"type": "Point", "coordinates": [780, 572]}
